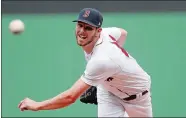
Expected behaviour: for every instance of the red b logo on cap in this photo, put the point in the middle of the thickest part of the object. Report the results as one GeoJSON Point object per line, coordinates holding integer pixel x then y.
{"type": "Point", "coordinates": [86, 14]}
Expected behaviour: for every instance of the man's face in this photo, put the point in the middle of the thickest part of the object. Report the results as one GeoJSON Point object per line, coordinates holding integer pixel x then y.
{"type": "Point", "coordinates": [85, 33]}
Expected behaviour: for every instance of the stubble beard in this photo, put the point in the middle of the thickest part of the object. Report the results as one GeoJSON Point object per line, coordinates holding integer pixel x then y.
{"type": "Point", "coordinates": [83, 45]}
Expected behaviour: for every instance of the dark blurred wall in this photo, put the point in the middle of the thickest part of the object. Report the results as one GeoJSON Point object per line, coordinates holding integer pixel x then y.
{"type": "Point", "coordinates": [104, 6]}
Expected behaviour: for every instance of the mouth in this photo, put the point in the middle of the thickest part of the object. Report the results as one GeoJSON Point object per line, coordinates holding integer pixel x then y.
{"type": "Point", "coordinates": [82, 37]}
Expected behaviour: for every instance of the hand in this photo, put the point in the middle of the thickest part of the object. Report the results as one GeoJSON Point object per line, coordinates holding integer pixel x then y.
{"type": "Point", "coordinates": [28, 104]}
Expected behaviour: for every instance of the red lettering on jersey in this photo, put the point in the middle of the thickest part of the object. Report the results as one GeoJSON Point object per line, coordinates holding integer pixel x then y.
{"type": "Point", "coordinates": [122, 49]}
{"type": "Point", "coordinates": [112, 38]}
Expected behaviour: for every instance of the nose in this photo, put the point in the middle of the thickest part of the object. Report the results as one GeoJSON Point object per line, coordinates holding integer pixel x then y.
{"type": "Point", "coordinates": [81, 30]}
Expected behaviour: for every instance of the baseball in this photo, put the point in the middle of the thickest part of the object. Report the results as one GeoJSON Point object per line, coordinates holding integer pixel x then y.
{"type": "Point", "coordinates": [16, 26]}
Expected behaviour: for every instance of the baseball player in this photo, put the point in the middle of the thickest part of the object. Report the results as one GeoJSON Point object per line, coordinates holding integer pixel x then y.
{"type": "Point", "coordinates": [122, 86]}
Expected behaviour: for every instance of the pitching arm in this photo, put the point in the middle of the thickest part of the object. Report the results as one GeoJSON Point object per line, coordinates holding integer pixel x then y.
{"type": "Point", "coordinates": [62, 100]}
{"type": "Point", "coordinates": [66, 98]}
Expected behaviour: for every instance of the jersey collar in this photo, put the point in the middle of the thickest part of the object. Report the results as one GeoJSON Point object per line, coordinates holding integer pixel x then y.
{"type": "Point", "coordinates": [100, 40]}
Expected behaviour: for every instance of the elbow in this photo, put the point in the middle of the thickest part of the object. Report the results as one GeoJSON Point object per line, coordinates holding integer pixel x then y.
{"type": "Point", "coordinates": [123, 32]}
{"type": "Point", "coordinates": [71, 99]}
{"type": "Point", "coordinates": [122, 38]}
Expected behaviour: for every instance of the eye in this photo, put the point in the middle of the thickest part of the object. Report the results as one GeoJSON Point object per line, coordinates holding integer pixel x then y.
{"type": "Point", "coordinates": [88, 28]}
{"type": "Point", "coordinates": [80, 25]}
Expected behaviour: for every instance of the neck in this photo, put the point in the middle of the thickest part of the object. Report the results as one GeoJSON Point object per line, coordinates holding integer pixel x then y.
{"type": "Point", "coordinates": [88, 48]}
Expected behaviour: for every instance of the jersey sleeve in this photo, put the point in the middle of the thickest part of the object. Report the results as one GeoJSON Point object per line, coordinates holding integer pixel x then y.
{"type": "Point", "coordinates": [113, 31]}
{"type": "Point", "coordinates": [99, 70]}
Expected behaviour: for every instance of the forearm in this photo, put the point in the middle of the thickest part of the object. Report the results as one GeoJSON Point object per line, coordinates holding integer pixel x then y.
{"type": "Point", "coordinates": [122, 38]}
{"type": "Point", "coordinates": [60, 101]}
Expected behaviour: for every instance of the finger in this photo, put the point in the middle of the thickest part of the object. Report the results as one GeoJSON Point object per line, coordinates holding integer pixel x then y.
{"type": "Point", "coordinates": [23, 107]}
{"type": "Point", "coordinates": [20, 103]}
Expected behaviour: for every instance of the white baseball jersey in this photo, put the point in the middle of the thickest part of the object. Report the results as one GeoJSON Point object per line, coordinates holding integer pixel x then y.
{"type": "Point", "coordinates": [112, 68]}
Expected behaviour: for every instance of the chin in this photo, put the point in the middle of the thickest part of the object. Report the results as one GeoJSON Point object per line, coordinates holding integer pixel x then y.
{"type": "Point", "coordinates": [80, 44]}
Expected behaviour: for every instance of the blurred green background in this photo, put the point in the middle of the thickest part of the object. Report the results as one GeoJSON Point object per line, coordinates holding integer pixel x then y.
{"type": "Point", "coordinates": [45, 60]}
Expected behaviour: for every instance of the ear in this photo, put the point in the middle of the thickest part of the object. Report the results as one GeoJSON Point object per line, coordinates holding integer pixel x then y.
{"type": "Point", "coordinates": [99, 30]}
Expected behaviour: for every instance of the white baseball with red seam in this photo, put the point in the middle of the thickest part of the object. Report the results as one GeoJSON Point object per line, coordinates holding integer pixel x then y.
{"type": "Point", "coordinates": [16, 26]}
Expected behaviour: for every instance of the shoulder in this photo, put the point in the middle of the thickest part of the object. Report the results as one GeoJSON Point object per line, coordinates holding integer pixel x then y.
{"type": "Point", "coordinates": [101, 64]}
{"type": "Point", "coordinates": [110, 28]}
{"type": "Point", "coordinates": [115, 32]}
{"type": "Point", "coordinates": [98, 62]}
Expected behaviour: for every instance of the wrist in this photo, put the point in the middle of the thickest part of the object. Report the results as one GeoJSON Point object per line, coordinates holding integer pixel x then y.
{"type": "Point", "coordinates": [38, 106]}
{"type": "Point", "coordinates": [43, 105]}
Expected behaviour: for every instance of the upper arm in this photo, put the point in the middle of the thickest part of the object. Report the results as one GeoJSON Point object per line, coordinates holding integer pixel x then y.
{"type": "Point", "coordinates": [95, 72]}
{"type": "Point", "coordinates": [78, 89]}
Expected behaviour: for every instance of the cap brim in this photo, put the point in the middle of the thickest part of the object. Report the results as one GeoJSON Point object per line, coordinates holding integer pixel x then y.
{"type": "Point", "coordinates": [85, 21]}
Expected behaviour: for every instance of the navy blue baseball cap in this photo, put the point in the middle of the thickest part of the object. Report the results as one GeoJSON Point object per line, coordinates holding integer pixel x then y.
{"type": "Point", "coordinates": [90, 16]}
